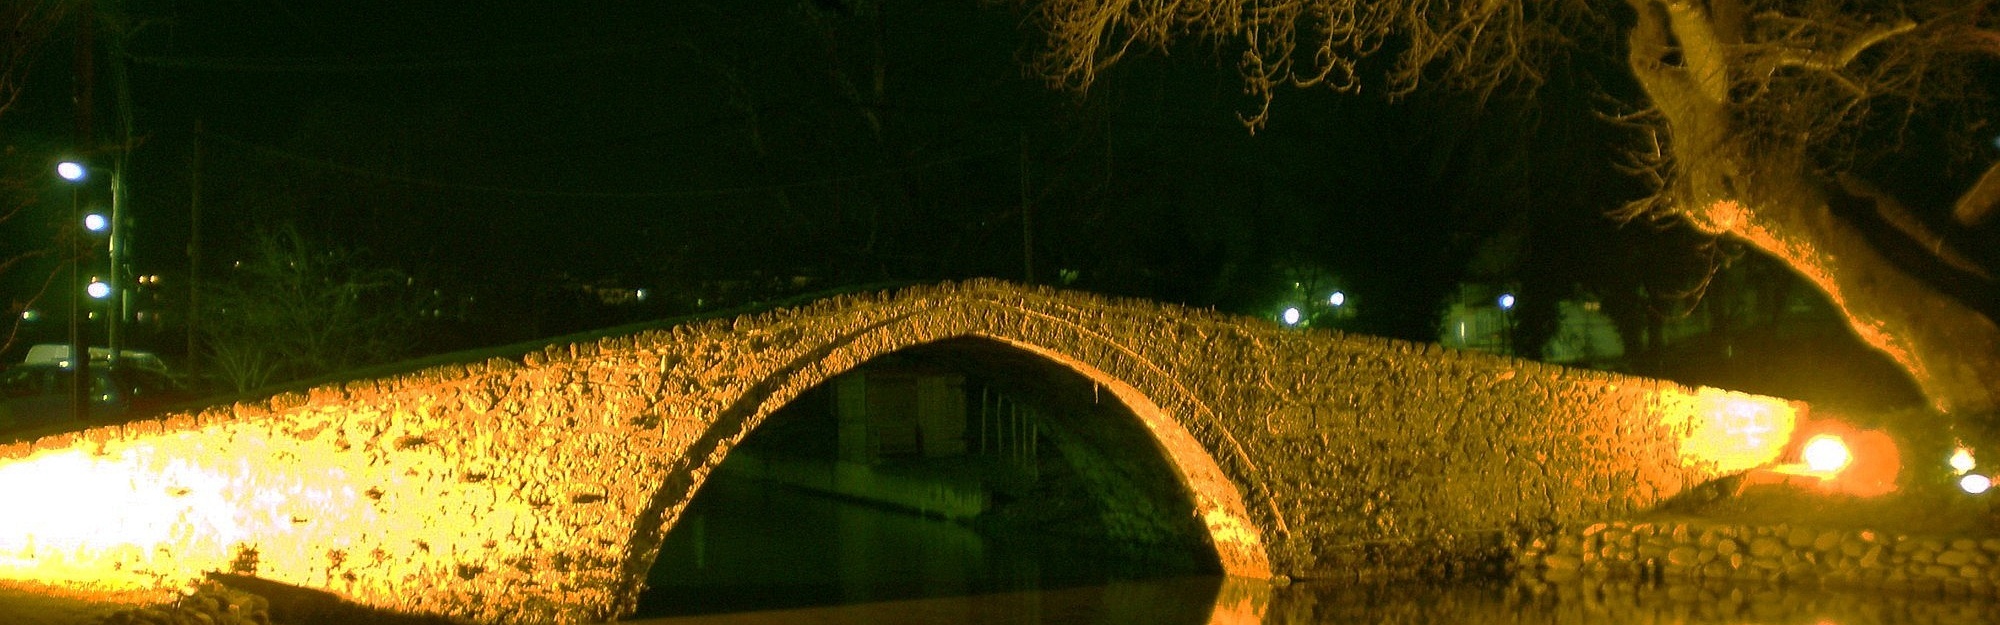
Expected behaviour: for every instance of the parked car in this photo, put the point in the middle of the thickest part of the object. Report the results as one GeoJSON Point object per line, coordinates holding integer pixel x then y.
{"type": "Point", "coordinates": [36, 396]}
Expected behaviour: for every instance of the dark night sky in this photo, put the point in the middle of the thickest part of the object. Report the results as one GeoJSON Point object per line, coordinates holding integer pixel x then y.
{"type": "Point", "coordinates": [626, 139]}
{"type": "Point", "coordinates": [506, 148]}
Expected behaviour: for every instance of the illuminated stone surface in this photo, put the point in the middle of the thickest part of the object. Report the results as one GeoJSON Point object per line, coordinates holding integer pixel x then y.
{"type": "Point", "coordinates": [537, 488]}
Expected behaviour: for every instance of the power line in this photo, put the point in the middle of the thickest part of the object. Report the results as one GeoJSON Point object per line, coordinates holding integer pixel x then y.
{"type": "Point", "coordinates": [362, 172]}
{"type": "Point", "coordinates": [344, 65]}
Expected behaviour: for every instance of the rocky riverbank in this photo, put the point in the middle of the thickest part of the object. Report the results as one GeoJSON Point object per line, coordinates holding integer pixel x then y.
{"type": "Point", "coordinates": [1699, 550]}
{"type": "Point", "coordinates": [1925, 539]}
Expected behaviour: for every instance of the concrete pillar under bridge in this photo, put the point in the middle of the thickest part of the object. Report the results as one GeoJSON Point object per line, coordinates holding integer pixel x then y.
{"type": "Point", "coordinates": [537, 487]}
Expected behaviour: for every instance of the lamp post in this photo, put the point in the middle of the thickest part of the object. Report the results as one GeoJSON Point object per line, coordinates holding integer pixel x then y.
{"type": "Point", "coordinates": [79, 350]}
{"type": "Point", "coordinates": [114, 339]}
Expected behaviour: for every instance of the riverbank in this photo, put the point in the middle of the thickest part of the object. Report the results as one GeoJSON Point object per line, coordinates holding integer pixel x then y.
{"type": "Point", "coordinates": [1923, 540]}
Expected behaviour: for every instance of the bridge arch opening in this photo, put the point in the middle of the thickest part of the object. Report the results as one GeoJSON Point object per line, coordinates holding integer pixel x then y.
{"type": "Point", "coordinates": [967, 466]}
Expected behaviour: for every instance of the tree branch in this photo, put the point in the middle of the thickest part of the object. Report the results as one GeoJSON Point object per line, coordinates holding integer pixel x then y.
{"type": "Point", "coordinates": [1836, 60]}
{"type": "Point", "coordinates": [1980, 201]}
{"type": "Point", "coordinates": [1702, 54]}
{"type": "Point", "coordinates": [1897, 215]}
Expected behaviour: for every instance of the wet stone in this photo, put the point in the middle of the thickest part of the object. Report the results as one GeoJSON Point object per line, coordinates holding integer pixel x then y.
{"type": "Point", "coordinates": [1853, 548]}
{"type": "Point", "coordinates": [1683, 556]}
{"type": "Point", "coordinates": [1801, 571]}
{"type": "Point", "coordinates": [1801, 537]}
{"type": "Point", "coordinates": [1766, 547]}
{"type": "Point", "coordinates": [1954, 558]}
{"type": "Point", "coordinates": [1650, 551]}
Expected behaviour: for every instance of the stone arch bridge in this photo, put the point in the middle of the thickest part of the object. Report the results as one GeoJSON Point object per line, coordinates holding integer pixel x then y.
{"type": "Point", "coordinates": [538, 487]}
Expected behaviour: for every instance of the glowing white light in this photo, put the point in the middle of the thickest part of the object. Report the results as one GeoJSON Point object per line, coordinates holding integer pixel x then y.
{"type": "Point", "coordinates": [31, 315]}
{"type": "Point", "coordinates": [98, 290]}
{"type": "Point", "coordinates": [70, 170]}
{"type": "Point", "coordinates": [1826, 453]}
{"type": "Point", "coordinates": [1506, 301]}
{"type": "Point", "coordinates": [1974, 483]}
{"type": "Point", "coordinates": [1961, 460]}
{"type": "Point", "coordinates": [1337, 298]}
{"type": "Point", "coordinates": [1291, 316]}
{"type": "Point", "coordinates": [641, 294]}
{"type": "Point", "coordinates": [95, 222]}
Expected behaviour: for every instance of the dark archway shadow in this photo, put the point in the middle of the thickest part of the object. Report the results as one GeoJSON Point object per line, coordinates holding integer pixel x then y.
{"type": "Point", "coordinates": [255, 600]}
{"type": "Point", "coordinates": [964, 467]}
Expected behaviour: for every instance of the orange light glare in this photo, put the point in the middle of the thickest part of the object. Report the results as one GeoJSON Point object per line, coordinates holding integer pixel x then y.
{"type": "Point", "coordinates": [1826, 453]}
{"type": "Point", "coordinates": [1837, 458]}
{"type": "Point", "coordinates": [1728, 431]}
{"type": "Point", "coordinates": [1961, 461]}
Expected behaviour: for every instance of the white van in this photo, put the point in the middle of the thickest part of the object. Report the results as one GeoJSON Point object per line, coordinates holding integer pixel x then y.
{"type": "Point", "coordinates": [58, 354]}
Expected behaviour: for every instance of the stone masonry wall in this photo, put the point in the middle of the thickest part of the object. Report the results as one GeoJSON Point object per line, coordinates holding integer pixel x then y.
{"type": "Point", "coordinates": [536, 488]}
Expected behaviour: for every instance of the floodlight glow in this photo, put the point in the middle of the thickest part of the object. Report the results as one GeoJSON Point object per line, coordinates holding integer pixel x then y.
{"type": "Point", "coordinates": [1337, 298]}
{"type": "Point", "coordinates": [1826, 453]}
{"type": "Point", "coordinates": [31, 315]}
{"type": "Point", "coordinates": [70, 170]}
{"type": "Point", "coordinates": [98, 290]}
{"type": "Point", "coordinates": [1974, 483]}
{"type": "Point", "coordinates": [641, 294]}
{"type": "Point", "coordinates": [1291, 316]}
{"type": "Point", "coordinates": [1506, 301]}
{"type": "Point", "coordinates": [1961, 460]}
{"type": "Point", "coordinates": [95, 222]}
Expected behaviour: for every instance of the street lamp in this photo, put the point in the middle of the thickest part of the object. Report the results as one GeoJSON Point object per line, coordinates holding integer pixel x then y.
{"type": "Point", "coordinates": [70, 170]}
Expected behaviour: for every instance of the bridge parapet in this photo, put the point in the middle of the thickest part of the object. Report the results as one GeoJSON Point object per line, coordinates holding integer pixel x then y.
{"type": "Point", "coordinates": [537, 487]}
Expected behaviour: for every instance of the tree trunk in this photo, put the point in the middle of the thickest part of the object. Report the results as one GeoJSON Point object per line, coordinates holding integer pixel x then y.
{"type": "Point", "coordinates": [1771, 199]}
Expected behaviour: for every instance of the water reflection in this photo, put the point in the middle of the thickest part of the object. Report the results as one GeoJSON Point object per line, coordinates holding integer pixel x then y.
{"type": "Point", "coordinates": [745, 545]}
{"type": "Point", "coordinates": [1216, 600]}
{"type": "Point", "coordinates": [749, 552]}
{"type": "Point", "coordinates": [1188, 600]}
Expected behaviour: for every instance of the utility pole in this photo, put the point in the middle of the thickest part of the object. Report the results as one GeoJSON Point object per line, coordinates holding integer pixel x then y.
{"type": "Point", "coordinates": [194, 251]}
{"type": "Point", "coordinates": [121, 285]}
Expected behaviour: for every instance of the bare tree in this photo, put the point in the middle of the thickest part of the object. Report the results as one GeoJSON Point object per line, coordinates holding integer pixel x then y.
{"type": "Point", "coordinates": [1748, 124]}
{"type": "Point", "coordinates": [295, 309]}
{"type": "Point", "coordinates": [28, 26]}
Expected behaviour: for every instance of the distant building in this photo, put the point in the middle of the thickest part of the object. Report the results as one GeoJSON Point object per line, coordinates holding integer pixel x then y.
{"type": "Point", "coordinates": [1482, 319]}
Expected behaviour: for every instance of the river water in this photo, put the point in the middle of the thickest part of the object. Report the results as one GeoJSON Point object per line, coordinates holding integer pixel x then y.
{"type": "Point", "coordinates": [748, 552]}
